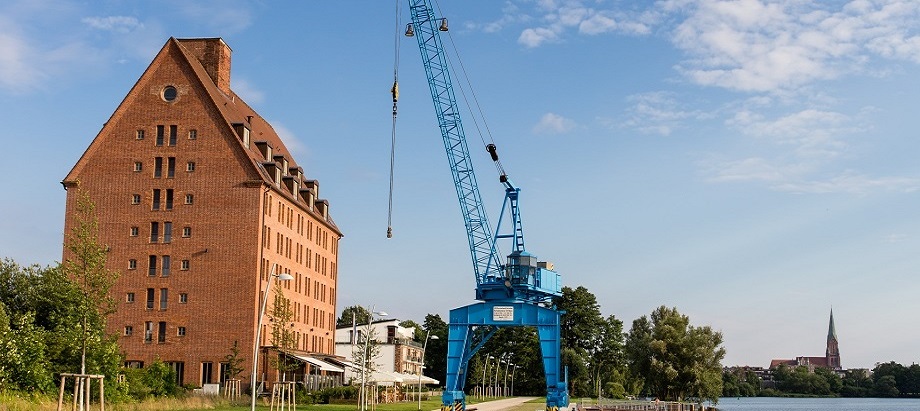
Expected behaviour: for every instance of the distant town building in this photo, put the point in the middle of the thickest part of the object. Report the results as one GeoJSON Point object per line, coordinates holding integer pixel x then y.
{"type": "Point", "coordinates": [830, 360]}
{"type": "Point", "coordinates": [400, 356]}
{"type": "Point", "coordinates": [198, 199]}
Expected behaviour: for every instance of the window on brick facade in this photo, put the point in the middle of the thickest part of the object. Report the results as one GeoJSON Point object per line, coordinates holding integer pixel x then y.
{"type": "Point", "coordinates": [156, 199]}
{"type": "Point", "coordinates": [190, 166]}
{"type": "Point", "coordinates": [181, 332]}
{"type": "Point", "coordinates": [150, 298]}
{"type": "Point", "coordinates": [157, 167]}
{"type": "Point", "coordinates": [161, 131]}
{"type": "Point", "coordinates": [154, 232]}
{"type": "Point", "coordinates": [148, 332]}
{"type": "Point", "coordinates": [207, 372]}
{"type": "Point", "coordinates": [189, 199]}
{"type": "Point", "coordinates": [167, 261]}
{"type": "Point", "coordinates": [139, 134]}
{"type": "Point", "coordinates": [135, 199]}
{"type": "Point", "coordinates": [152, 266]}
{"type": "Point", "coordinates": [170, 167]}
{"type": "Point", "coordinates": [129, 330]}
{"type": "Point", "coordinates": [129, 297]}
{"type": "Point", "coordinates": [167, 232]}
{"type": "Point", "coordinates": [161, 332]}
{"type": "Point", "coordinates": [164, 298]}
{"type": "Point", "coordinates": [173, 133]}
{"type": "Point", "coordinates": [192, 134]}
{"type": "Point", "coordinates": [185, 264]}
{"type": "Point", "coordinates": [138, 166]}
{"type": "Point", "coordinates": [170, 93]}
{"type": "Point", "coordinates": [183, 298]}
{"type": "Point", "coordinates": [169, 199]}
{"type": "Point", "coordinates": [134, 231]}
{"type": "Point", "coordinates": [132, 264]}
{"type": "Point", "coordinates": [186, 231]}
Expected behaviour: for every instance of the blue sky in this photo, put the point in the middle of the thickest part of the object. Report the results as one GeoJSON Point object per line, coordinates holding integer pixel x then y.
{"type": "Point", "coordinates": [751, 162]}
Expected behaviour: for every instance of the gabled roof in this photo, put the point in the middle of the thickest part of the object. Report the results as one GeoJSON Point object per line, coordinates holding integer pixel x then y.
{"type": "Point", "coordinates": [232, 111]}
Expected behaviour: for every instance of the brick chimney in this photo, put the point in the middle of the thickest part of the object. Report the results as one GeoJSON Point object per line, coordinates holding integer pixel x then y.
{"type": "Point", "coordinates": [214, 55]}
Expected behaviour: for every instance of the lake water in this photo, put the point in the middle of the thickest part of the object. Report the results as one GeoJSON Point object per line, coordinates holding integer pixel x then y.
{"type": "Point", "coordinates": [818, 404]}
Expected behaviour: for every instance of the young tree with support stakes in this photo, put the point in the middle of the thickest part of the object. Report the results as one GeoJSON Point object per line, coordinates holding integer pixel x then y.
{"type": "Point", "coordinates": [84, 264]}
{"type": "Point", "coordinates": [282, 335]}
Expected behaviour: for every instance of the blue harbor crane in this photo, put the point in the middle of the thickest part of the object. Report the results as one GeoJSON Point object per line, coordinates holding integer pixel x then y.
{"type": "Point", "coordinates": [516, 292]}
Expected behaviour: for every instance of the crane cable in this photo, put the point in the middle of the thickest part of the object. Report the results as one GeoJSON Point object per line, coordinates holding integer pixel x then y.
{"type": "Point", "coordinates": [395, 92]}
{"type": "Point", "coordinates": [490, 146]}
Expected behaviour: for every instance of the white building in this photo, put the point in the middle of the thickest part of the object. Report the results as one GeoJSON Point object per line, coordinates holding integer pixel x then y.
{"type": "Point", "coordinates": [399, 357]}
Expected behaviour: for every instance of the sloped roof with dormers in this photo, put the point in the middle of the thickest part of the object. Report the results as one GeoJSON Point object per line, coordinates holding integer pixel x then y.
{"type": "Point", "coordinates": [233, 111]}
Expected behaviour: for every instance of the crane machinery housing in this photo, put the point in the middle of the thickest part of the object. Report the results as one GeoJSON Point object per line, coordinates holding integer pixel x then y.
{"type": "Point", "coordinates": [516, 292]}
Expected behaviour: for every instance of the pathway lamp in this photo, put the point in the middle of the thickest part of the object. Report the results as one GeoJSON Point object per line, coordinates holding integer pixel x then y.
{"type": "Point", "coordinates": [364, 358]}
{"type": "Point", "coordinates": [421, 367]}
{"type": "Point", "coordinates": [255, 343]}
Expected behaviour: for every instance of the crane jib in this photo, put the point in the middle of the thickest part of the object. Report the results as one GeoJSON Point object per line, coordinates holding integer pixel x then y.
{"type": "Point", "coordinates": [516, 292]}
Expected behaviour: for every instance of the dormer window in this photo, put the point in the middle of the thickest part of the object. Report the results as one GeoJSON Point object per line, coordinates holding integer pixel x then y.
{"type": "Point", "coordinates": [242, 132]}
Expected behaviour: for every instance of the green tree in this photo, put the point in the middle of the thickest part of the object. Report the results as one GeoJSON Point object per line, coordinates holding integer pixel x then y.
{"type": "Point", "coordinates": [592, 345]}
{"type": "Point", "coordinates": [234, 361]}
{"type": "Point", "coordinates": [890, 379]}
{"type": "Point", "coordinates": [353, 315]}
{"type": "Point", "coordinates": [418, 333]}
{"type": "Point", "coordinates": [740, 382]}
{"type": "Point", "coordinates": [23, 365]}
{"type": "Point", "coordinates": [282, 333]}
{"type": "Point", "coordinates": [84, 263]}
{"type": "Point", "coordinates": [856, 383]}
{"type": "Point", "coordinates": [683, 361]}
{"type": "Point", "coordinates": [436, 353]}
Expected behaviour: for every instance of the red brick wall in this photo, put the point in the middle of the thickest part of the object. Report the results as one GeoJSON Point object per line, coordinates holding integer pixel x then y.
{"type": "Point", "coordinates": [224, 250]}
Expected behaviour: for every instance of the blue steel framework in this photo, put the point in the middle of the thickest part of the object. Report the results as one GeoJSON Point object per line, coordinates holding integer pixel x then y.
{"type": "Point", "coordinates": [518, 293]}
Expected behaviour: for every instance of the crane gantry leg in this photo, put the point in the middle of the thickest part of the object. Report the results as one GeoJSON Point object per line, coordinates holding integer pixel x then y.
{"type": "Point", "coordinates": [461, 346]}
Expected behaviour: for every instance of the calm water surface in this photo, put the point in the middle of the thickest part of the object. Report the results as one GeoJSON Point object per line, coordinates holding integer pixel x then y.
{"type": "Point", "coordinates": [818, 404]}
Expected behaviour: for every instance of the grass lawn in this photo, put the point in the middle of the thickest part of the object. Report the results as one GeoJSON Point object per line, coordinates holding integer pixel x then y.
{"type": "Point", "coordinates": [193, 403]}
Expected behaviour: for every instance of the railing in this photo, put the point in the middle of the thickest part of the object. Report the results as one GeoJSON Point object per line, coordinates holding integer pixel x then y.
{"type": "Point", "coordinates": [318, 382]}
{"type": "Point", "coordinates": [592, 404]}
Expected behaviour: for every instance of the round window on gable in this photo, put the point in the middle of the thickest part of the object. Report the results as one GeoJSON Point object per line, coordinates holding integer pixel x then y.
{"type": "Point", "coordinates": [170, 93]}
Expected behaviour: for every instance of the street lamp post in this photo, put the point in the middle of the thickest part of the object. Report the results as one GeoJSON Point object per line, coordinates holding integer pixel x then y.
{"type": "Point", "coordinates": [505, 387]}
{"type": "Point", "coordinates": [364, 357]}
{"type": "Point", "coordinates": [485, 370]}
{"type": "Point", "coordinates": [498, 367]}
{"type": "Point", "coordinates": [421, 367]}
{"type": "Point", "coordinates": [255, 343]}
{"type": "Point", "coordinates": [513, 369]}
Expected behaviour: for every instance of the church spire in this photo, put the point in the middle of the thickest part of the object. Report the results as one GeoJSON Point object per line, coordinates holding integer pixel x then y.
{"type": "Point", "coordinates": [833, 351]}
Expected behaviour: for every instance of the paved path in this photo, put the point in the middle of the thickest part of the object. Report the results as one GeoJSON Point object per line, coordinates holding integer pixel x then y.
{"type": "Point", "coordinates": [499, 405]}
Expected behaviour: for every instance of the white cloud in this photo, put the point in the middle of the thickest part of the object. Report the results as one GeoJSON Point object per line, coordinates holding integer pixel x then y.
{"type": "Point", "coordinates": [536, 37]}
{"type": "Point", "coordinates": [552, 123]}
{"type": "Point", "coordinates": [765, 46]}
{"type": "Point", "coordinates": [852, 183]}
{"type": "Point", "coordinates": [812, 133]}
{"type": "Point", "coordinates": [298, 149]}
{"type": "Point", "coordinates": [749, 169]}
{"type": "Point", "coordinates": [658, 113]}
{"type": "Point", "coordinates": [559, 17]}
{"type": "Point", "coordinates": [17, 73]}
{"type": "Point", "coordinates": [118, 24]}
{"type": "Point", "coordinates": [247, 91]}
{"type": "Point", "coordinates": [223, 16]}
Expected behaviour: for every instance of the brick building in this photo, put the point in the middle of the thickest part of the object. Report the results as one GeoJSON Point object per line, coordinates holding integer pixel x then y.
{"type": "Point", "coordinates": [198, 198]}
{"type": "Point", "coordinates": [830, 360]}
